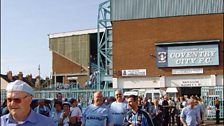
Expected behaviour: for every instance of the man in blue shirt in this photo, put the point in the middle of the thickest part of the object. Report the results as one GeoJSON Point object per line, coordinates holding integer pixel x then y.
{"type": "Point", "coordinates": [42, 108]}
{"type": "Point", "coordinates": [55, 115]}
{"type": "Point", "coordinates": [19, 97]}
{"type": "Point", "coordinates": [189, 115]}
{"type": "Point", "coordinates": [136, 116]}
{"type": "Point", "coordinates": [97, 113]}
{"type": "Point", "coordinates": [118, 109]}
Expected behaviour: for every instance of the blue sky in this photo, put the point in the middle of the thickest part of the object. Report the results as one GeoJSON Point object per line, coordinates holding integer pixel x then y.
{"type": "Point", "coordinates": [25, 25]}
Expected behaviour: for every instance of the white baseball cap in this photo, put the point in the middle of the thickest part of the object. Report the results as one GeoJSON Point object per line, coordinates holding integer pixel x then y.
{"type": "Point", "coordinates": [19, 85]}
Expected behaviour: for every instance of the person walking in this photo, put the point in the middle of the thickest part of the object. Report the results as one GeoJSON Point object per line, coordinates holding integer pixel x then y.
{"type": "Point", "coordinates": [157, 113]}
{"type": "Point", "coordinates": [217, 111]}
{"type": "Point", "coordinates": [189, 115]}
{"type": "Point", "coordinates": [166, 115]}
{"type": "Point", "coordinates": [19, 97]}
{"type": "Point", "coordinates": [178, 111]}
{"type": "Point", "coordinates": [172, 110]}
{"type": "Point", "coordinates": [198, 108]}
{"type": "Point", "coordinates": [136, 116]}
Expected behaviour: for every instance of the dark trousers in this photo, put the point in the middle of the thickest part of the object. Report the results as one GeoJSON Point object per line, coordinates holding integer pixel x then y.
{"type": "Point", "coordinates": [178, 121]}
{"type": "Point", "coordinates": [157, 122]}
{"type": "Point", "coordinates": [217, 117]}
{"type": "Point", "coordinates": [166, 120]}
{"type": "Point", "coordinates": [172, 119]}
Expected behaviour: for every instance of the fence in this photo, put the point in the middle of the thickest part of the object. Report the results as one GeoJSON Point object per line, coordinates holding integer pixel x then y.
{"type": "Point", "coordinates": [84, 95]}
{"type": "Point", "coordinates": [3, 95]}
{"type": "Point", "coordinates": [209, 94]}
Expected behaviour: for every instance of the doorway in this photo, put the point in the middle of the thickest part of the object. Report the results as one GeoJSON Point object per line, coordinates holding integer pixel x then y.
{"type": "Point", "coordinates": [196, 91]}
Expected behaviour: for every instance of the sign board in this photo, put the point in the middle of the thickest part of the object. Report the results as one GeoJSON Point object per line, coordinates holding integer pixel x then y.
{"type": "Point", "coordinates": [72, 78]}
{"type": "Point", "coordinates": [134, 72]}
{"type": "Point", "coordinates": [188, 71]}
{"type": "Point", "coordinates": [190, 83]}
{"type": "Point", "coordinates": [130, 93]}
{"type": "Point", "coordinates": [171, 90]}
{"type": "Point", "coordinates": [189, 55]}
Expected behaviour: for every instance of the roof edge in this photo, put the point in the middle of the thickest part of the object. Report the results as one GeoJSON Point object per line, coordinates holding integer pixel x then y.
{"type": "Point", "coordinates": [79, 32]}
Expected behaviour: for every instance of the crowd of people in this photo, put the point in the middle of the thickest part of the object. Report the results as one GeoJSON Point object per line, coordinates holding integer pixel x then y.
{"type": "Point", "coordinates": [111, 111]}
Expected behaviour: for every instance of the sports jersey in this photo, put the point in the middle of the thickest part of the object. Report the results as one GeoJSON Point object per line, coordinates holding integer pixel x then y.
{"type": "Point", "coordinates": [95, 115]}
{"type": "Point", "coordinates": [140, 118]}
{"type": "Point", "coordinates": [117, 111]}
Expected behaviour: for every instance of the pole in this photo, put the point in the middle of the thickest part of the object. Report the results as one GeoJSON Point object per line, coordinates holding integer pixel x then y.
{"type": "Point", "coordinates": [50, 79]}
{"type": "Point", "coordinates": [55, 86]}
{"type": "Point", "coordinates": [39, 70]}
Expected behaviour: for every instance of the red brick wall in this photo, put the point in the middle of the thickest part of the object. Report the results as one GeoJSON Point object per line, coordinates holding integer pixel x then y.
{"type": "Point", "coordinates": [133, 40]}
{"type": "Point", "coordinates": [62, 65]}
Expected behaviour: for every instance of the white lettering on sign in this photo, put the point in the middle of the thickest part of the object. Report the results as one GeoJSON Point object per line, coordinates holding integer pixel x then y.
{"type": "Point", "coordinates": [193, 56]}
{"type": "Point", "coordinates": [188, 71]}
{"type": "Point", "coordinates": [134, 72]}
{"type": "Point", "coordinates": [191, 83]}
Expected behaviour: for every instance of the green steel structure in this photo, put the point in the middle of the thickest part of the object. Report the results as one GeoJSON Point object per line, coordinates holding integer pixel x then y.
{"type": "Point", "coordinates": [104, 46]}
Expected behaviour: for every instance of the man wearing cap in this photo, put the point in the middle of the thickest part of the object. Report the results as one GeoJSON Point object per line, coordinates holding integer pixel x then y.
{"type": "Point", "coordinates": [67, 117]}
{"type": "Point", "coordinates": [19, 97]}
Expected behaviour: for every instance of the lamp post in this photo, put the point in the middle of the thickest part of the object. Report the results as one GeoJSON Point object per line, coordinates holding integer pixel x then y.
{"type": "Point", "coordinates": [39, 70]}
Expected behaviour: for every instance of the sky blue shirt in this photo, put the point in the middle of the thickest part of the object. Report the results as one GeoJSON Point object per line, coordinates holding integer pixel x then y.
{"type": "Point", "coordinates": [55, 116]}
{"type": "Point", "coordinates": [117, 111]}
{"type": "Point", "coordinates": [33, 119]}
{"type": "Point", "coordinates": [95, 115]}
{"type": "Point", "coordinates": [191, 116]}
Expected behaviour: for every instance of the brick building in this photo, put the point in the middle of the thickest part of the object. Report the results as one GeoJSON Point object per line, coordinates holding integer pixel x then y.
{"type": "Point", "coordinates": [73, 56]}
{"type": "Point", "coordinates": [168, 45]}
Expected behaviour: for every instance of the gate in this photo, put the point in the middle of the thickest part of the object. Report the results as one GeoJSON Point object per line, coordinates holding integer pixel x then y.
{"type": "Point", "coordinates": [209, 94]}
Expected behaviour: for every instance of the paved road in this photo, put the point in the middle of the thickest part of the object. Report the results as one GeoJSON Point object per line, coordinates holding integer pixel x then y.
{"type": "Point", "coordinates": [212, 123]}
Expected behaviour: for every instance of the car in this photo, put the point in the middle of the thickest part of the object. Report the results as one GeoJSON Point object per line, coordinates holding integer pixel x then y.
{"type": "Point", "coordinates": [48, 103]}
